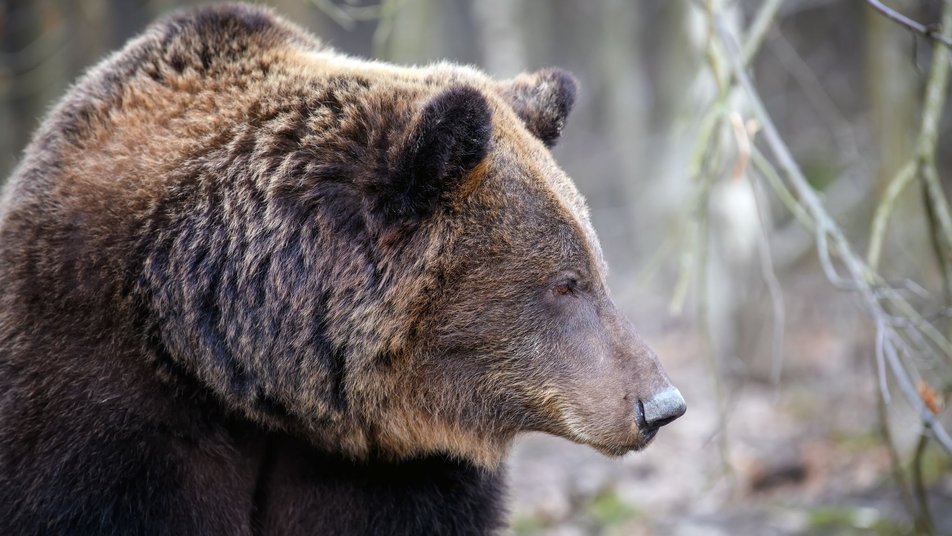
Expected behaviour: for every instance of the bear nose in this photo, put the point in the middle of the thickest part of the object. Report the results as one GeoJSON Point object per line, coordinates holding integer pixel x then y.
{"type": "Point", "coordinates": [662, 408]}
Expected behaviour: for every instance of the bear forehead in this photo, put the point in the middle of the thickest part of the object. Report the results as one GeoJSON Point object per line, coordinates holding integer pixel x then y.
{"type": "Point", "coordinates": [554, 196]}
{"type": "Point", "coordinates": [537, 166]}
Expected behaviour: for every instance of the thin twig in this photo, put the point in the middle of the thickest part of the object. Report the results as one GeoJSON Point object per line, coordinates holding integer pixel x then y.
{"type": "Point", "coordinates": [939, 213]}
{"type": "Point", "coordinates": [916, 320]}
{"type": "Point", "coordinates": [928, 31]}
{"type": "Point", "coordinates": [881, 363]}
{"type": "Point", "coordinates": [347, 15]}
{"type": "Point", "coordinates": [924, 521]}
{"type": "Point", "coordinates": [895, 459]}
{"type": "Point", "coordinates": [818, 97]}
{"type": "Point", "coordinates": [758, 29]}
{"type": "Point", "coordinates": [878, 233]}
{"type": "Point", "coordinates": [769, 172]}
{"type": "Point", "coordinates": [774, 289]}
{"type": "Point", "coordinates": [909, 390]}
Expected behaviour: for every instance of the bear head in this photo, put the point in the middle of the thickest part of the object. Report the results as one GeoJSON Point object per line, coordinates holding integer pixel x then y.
{"type": "Point", "coordinates": [385, 260]}
{"type": "Point", "coordinates": [517, 330]}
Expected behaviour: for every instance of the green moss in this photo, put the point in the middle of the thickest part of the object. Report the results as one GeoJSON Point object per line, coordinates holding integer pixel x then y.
{"type": "Point", "coordinates": [820, 173]}
{"type": "Point", "coordinates": [936, 465]}
{"type": "Point", "coordinates": [850, 521]}
{"type": "Point", "coordinates": [608, 509]}
{"type": "Point", "coordinates": [857, 442]}
{"type": "Point", "coordinates": [527, 526]}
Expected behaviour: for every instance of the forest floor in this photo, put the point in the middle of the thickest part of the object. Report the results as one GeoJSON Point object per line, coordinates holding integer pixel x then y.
{"type": "Point", "coordinates": [804, 458]}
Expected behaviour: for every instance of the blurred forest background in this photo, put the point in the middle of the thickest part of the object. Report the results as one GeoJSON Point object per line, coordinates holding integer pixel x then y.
{"type": "Point", "coordinates": [779, 233]}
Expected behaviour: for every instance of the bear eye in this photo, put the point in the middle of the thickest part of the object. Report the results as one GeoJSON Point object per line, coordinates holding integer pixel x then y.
{"type": "Point", "coordinates": [565, 288]}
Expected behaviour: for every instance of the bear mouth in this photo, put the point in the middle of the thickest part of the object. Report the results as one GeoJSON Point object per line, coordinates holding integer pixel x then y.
{"type": "Point", "coordinates": [614, 451]}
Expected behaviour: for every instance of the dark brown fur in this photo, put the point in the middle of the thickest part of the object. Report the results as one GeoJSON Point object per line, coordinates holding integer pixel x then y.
{"type": "Point", "coordinates": [249, 285]}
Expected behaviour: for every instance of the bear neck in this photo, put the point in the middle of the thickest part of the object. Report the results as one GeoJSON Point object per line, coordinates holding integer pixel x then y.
{"type": "Point", "coordinates": [370, 496]}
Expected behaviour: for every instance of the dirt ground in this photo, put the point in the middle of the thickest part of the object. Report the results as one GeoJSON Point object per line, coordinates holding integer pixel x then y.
{"type": "Point", "coordinates": [804, 458]}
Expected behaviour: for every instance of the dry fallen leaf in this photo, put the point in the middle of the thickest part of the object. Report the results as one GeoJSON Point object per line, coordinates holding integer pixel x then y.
{"type": "Point", "coordinates": [929, 397]}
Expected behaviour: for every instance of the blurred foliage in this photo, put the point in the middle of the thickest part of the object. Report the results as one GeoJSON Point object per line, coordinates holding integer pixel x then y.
{"type": "Point", "coordinates": [608, 509]}
{"type": "Point", "coordinates": [851, 521]}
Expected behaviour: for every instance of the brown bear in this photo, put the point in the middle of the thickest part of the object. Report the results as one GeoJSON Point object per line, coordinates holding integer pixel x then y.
{"type": "Point", "coordinates": [249, 285]}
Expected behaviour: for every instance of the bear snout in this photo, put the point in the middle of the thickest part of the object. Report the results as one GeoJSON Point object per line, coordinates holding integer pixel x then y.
{"type": "Point", "coordinates": [660, 409]}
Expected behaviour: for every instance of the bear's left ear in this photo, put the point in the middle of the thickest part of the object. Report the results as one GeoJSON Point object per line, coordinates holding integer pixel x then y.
{"type": "Point", "coordinates": [542, 100]}
{"type": "Point", "coordinates": [447, 139]}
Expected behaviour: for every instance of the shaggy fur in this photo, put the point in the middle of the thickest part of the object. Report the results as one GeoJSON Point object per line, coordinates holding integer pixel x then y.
{"type": "Point", "coordinates": [249, 285]}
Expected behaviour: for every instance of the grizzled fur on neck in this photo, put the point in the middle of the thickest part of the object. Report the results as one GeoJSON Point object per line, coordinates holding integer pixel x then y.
{"type": "Point", "coordinates": [284, 273]}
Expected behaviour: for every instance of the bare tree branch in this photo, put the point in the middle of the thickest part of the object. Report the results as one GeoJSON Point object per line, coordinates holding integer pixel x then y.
{"type": "Point", "coordinates": [932, 32]}
{"type": "Point", "coordinates": [758, 29]}
{"type": "Point", "coordinates": [860, 276]}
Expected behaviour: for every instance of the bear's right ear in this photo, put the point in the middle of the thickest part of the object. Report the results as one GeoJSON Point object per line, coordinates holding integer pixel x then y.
{"type": "Point", "coordinates": [447, 139]}
{"type": "Point", "coordinates": [542, 100]}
